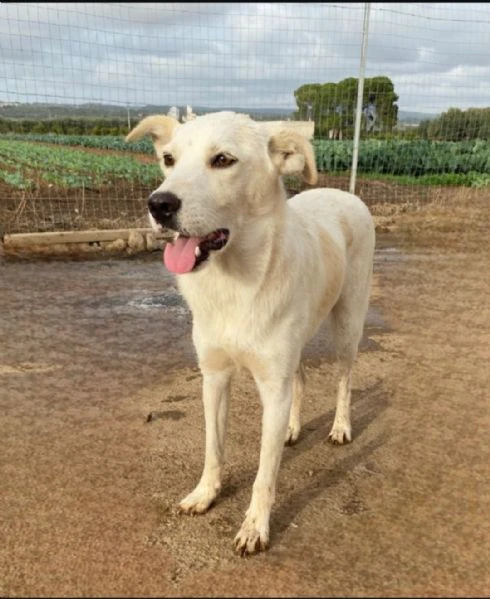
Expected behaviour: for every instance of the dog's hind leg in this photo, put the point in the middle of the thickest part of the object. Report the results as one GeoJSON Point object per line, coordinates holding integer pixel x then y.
{"type": "Point", "coordinates": [294, 425]}
{"type": "Point", "coordinates": [341, 430]}
{"type": "Point", "coordinates": [348, 317]}
{"type": "Point", "coordinates": [216, 390]}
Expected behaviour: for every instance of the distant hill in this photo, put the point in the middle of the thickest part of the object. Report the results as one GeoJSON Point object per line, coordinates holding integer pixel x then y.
{"type": "Point", "coordinates": [43, 111]}
{"type": "Point", "coordinates": [414, 118]}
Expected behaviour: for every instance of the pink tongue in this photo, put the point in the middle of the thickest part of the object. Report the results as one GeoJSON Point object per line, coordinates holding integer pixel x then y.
{"type": "Point", "coordinates": [179, 256]}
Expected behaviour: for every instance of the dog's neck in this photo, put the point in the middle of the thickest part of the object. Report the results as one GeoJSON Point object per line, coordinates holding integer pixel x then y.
{"type": "Point", "coordinates": [254, 250]}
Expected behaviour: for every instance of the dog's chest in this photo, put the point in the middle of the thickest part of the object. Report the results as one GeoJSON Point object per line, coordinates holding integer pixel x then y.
{"type": "Point", "coordinates": [230, 316]}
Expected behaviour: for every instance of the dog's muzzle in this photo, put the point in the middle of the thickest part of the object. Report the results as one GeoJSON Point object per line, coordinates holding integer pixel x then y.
{"type": "Point", "coordinates": [163, 207]}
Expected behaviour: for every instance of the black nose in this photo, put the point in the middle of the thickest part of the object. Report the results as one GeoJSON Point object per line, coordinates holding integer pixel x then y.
{"type": "Point", "coordinates": [163, 206]}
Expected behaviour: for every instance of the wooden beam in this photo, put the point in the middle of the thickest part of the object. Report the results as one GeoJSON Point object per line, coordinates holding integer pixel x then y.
{"type": "Point", "coordinates": [23, 240]}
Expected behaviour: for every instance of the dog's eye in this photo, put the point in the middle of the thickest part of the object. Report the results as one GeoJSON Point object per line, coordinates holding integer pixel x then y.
{"type": "Point", "coordinates": [222, 160]}
{"type": "Point", "coordinates": [168, 160]}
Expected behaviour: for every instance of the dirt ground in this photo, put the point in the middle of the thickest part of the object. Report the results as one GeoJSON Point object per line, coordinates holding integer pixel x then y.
{"type": "Point", "coordinates": [102, 433]}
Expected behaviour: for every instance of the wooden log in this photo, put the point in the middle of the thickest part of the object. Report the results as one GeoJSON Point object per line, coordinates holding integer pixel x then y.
{"type": "Point", "coordinates": [25, 240]}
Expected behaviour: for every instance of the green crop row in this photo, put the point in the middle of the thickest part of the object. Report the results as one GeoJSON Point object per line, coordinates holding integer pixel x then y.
{"type": "Point", "coordinates": [99, 142]}
{"type": "Point", "coordinates": [405, 158]}
{"type": "Point", "coordinates": [23, 163]}
{"type": "Point", "coordinates": [408, 162]}
{"type": "Point", "coordinates": [395, 157]}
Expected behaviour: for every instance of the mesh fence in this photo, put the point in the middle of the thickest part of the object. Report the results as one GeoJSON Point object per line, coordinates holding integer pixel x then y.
{"type": "Point", "coordinates": [77, 76]}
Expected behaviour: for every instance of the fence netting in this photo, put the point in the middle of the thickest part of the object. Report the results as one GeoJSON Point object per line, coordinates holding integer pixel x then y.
{"type": "Point", "coordinates": [77, 76]}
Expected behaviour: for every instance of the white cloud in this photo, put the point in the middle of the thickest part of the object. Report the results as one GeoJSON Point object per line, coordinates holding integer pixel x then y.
{"type": "Point", "coordinates": [240, 54]}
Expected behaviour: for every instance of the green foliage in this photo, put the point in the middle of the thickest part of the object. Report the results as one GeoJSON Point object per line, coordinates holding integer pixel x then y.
{"type": "Point", "coordinates": [70, 168]}
{"type": "Point", "coordinates": [470, 179]}
{"type": "Point", "coordinates": [15, 179]}
{"type": "Point", "coordinates": [334, 104]}
{"type": "Point", "coordinates": [405, 158]}
{"type": "Point", "coordinates": [480, 180]}
{"type": "Point", "coordinates": [100, 142]}
{"type": "Point", "coordinates": [66, 126]}
{"type": "Point", "coordinates": [457, 125]}
{"type": "Point", "coordinates": [404, 161]}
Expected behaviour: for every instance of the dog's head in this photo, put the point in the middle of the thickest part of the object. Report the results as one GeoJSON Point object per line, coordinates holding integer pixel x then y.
{"type": "Point", "coordinates": [220, 170]}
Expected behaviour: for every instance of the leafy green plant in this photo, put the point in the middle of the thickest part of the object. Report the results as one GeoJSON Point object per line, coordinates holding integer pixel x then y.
{"type": "Point", "coordinates": [480, 180]}
{"type": "Point", "coordinates": [100, 142]}
{"type": "Point", "coordinates": [72, 168]}
{"type": "Point", "coordinates": [414, 158]}
{"type": "Point", "coordinates": [410, 162]}
{"type": "Point", "coordinates": [16, 179]}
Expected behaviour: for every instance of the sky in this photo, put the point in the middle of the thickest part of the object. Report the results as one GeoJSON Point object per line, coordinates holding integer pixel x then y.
{"type": "Point", "coordinates": [253, 55]}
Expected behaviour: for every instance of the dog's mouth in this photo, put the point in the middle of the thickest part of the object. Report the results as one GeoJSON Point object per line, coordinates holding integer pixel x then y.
{"type": "Point", "coordinates": [186, 253]}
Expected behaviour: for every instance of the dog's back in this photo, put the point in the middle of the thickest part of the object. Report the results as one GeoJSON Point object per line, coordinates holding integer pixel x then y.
{"type": "Point", "coordinates": [344, 216]}
{"type": "Point", "coordinates": [346, 226]}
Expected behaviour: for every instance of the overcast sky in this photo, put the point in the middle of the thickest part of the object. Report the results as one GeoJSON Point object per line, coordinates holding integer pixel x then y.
{"type": "Point", "coordinates": [240, 54]}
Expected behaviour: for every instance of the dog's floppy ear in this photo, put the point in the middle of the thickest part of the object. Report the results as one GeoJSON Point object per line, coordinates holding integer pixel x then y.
{"type": "Point", "coordinates": [160, 127]}
{"type": "Point", "coordinates": [292, 153]}
{"type": "Point", "coordinates": [304, 128]}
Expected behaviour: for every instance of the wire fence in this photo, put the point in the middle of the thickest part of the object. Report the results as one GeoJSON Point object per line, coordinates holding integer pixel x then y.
{"type": "Point", "coordinates": [77, 76]}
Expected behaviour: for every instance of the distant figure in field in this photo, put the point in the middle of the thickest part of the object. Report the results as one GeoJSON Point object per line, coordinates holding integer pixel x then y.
{"type": "Point", "coordinates": [174, 112]}
{"type": "Point", "coordinates": [189, 115]}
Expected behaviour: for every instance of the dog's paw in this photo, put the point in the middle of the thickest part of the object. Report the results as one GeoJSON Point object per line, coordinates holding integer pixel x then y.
{"type": "Point", "coordinates": [292, 434]}
{"type": "Point", "coordinates": [199, 501]}
{"type": "Point", "coordinates": [340, 435]}
{"type": "Point", "coordinates": [251, 538]}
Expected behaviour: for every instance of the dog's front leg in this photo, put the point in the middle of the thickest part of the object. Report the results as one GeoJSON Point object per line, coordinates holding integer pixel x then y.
{"type": "Point", "coordinates": [216, 388]}
{"type": "Point", "coordinates": [276, 401]}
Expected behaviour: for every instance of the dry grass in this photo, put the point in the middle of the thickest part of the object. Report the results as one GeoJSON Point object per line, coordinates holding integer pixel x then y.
{"type": "Point", "coordinates": [451, 219]}
{"type": "Point", "coordinates": [434, 216]}
{"type": "Point", "coordinates": [441, 217]}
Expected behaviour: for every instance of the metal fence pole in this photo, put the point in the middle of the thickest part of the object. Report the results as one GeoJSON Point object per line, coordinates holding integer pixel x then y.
{"type": "Point", "coordinates": [360, 90]}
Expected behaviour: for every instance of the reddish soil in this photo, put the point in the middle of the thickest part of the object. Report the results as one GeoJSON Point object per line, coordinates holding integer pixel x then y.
{"type": "Point", "coordinates": [90, 484]}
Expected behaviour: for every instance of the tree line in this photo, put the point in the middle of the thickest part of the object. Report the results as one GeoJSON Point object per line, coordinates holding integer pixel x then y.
{"type": "Point", "coordinates": [333, 108]}
{"type": "Point", "coordinates": [331, 105]}
{"type": "Point", "coordinates": [457, 125]}
{"type": "Point", "coordinates": [66, 126]}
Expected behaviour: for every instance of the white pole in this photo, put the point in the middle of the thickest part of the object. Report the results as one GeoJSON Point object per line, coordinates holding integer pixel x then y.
{"type": "Point", "coordinates": [360, 90]}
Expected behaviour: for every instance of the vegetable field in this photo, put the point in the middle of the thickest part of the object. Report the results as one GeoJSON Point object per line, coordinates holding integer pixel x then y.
{"type": "Point", "coordinates": [411, 162]}
{"type": "Point", "coordinates": [99, 142]}
{"type": "Point", "coordinates": [47, 187]}
{"type": "Point", "coordinates": [455, 163]}
{"type": "Point", "coordinates": [26, 165]}
{"type": "Point", "coordinates": [64, 182]}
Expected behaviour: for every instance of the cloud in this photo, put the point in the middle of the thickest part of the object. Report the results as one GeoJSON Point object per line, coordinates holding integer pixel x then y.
{"type": "Point", "coordinates": [240, 54]}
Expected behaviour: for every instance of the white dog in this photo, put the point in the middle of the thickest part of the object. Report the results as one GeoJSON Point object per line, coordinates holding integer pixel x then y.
{"type": "Point", "coordinates": [260, 274]}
